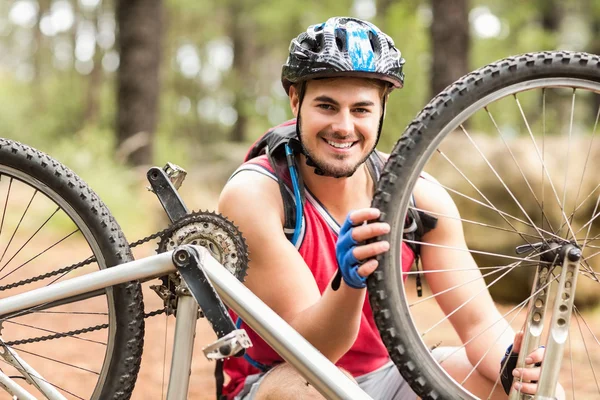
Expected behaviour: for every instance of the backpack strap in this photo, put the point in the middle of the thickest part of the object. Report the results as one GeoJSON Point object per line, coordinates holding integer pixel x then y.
{"type": "Point", "coordinates": [273, 144]}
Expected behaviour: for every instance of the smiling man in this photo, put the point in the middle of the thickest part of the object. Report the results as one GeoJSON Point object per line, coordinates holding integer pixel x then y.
{"type": "Point", "coordinates": [310, 263]}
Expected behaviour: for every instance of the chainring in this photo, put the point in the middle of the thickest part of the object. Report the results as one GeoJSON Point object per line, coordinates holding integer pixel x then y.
{"type": "Point", "coordinates": [214, 232]}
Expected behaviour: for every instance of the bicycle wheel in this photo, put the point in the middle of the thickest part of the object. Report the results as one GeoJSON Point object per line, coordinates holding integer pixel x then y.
{"type": "Point", "coordinates": [513, 145]}
{"type": "Point", "coordinates": [50, 220]}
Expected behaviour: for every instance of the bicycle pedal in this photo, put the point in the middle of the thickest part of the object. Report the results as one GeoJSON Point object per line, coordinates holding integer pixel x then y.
{"type": "Point", "coordinates": [228, 346]}
{"type": "Point", "coordinates": [175, 173]}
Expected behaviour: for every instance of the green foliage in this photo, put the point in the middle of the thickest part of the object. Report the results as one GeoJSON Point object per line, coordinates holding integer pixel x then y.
{"type": "Point", "coordinates": [49, 111]}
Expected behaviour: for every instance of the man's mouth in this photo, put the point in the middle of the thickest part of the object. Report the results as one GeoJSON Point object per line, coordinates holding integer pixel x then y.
{"type": "Point", "coordinates": [340, 145]}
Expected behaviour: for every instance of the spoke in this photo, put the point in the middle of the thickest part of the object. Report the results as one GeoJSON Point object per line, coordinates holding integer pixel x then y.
{"type": "Point", "coordinates": [502, 213]}
{"type": "Point", "coordinates": [564, 202]}
{"type": "Point", "coordinates": [31, 237]}
{"type": "Point", "coordinates": [56, 361]}
{"type": "Point", "coordinates": [466, 302]}
{"type": "Point", "coordinates": [489, 164]}
{"type": "Point", "coordinates": [512, 266]}
{"type": "Point", "coordinates": [588, 223]}
{"type": "Point", "coordinates": [18, 225]}
{"type": "Point", "coordinates": [544, 153]}
{"type": "Point", "coordinates": [571, 363]}
{"type": "Point", "coordinates": [474, 251]}
{"type": "Point", "coordinates": [39, 254]}
{"type": "Point", "coordinates": [519, 306]}
{"type": "Point", "coordinates": [585, 265]}
{"type": "Point", "coordinates": [543, 164]}
{"type": "Point", "coordinates": [592, 256]}
{"type": "Point", "coordinates": [580, 205]}
{"type": "Point", "coordinates": [587, 158]}
{"type": "Point", "coordinates": [69, 270]}
{"type": "Point", "coordinates": [585, 344]}
{"type": "Point", "coordinates": [54, 332]}
{"type": "Point", "coordinates": [42, 379]}
{"type": "Point", "coordinates": [588, 270]}
{"type": "Point", "coordinates": [591, 246]}
{"type": "Point", "coordinates": [5, 204]}
{"type": "Point", "coordinates": [481, 194]}
{"type": "Point", "coordinates": [70, 312]}
{"type": "Point", "coordinates": [433, 271]}
{"type": "Point", "coordinates": [593, 239]}
{"type": "Point", "coordinates": [477, 223]}
{"type": "Point", "coordinates": [540, 205]}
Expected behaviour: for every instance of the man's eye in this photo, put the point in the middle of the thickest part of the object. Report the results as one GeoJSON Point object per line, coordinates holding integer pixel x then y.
{"type": "Point", "coordinates": [325, 106]}
{"type": "Point", "coordinates": [362, 110]}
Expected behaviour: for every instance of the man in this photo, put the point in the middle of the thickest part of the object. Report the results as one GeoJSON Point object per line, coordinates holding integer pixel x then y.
{"type": "Point", "coordinates": [338, 76]}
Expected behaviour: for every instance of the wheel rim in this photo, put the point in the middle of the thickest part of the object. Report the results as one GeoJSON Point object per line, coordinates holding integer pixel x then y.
{"type": "Point", "coordinates": [19, 178]}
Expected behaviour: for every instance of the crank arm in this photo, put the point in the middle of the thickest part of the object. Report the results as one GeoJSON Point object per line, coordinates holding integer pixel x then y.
{"type": "Point", "coordinates": [189, 264]}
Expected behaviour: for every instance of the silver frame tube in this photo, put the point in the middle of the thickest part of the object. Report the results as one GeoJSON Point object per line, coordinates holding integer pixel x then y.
{"type": "Point", "coordinates": [36, 379]}
{"type": "Point", "coordinates": [183, 348]}
{"type": "Point", "coordinates": [13, 388]}
{"type": "Point", "coordinates": [149, 267]}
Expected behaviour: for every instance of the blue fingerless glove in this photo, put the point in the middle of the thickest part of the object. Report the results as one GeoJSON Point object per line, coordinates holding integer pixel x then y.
{"type": "Point", "coordinates": [347, 263]}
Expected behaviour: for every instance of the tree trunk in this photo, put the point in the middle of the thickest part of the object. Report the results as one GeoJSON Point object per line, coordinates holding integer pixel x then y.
{"type": "Point", "coordinates": [38, 53]}
{"type": "Point", "coordinates": [92, 108]}
{"type": "Point", "coordinates": [139, 24]}
{"type": "Point", "coordinates": [450, 42]}
{"type": "Point", "coordinates": [240, 36]}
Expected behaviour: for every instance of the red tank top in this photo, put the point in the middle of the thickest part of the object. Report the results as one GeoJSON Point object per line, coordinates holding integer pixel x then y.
{"type": "Point", "coordinates": [317, 247]}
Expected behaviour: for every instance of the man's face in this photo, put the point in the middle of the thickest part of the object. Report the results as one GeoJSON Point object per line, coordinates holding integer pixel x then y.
{"type": "Point", "coordinates": [339, 122]}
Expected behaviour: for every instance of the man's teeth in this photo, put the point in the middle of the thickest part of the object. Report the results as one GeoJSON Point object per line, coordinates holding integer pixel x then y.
{"type": "Point", "coordinates": [340, 145]}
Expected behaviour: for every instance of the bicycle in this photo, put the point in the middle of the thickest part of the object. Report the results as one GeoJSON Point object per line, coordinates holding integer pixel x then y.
{"type": "Point", "coordinates": [547, 243]}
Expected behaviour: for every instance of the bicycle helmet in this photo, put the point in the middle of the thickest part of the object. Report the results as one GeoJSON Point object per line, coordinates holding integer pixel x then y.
{"type": "Point", "coordinates": [343, 46]}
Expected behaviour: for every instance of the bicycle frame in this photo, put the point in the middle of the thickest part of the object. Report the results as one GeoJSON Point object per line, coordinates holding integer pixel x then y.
{"type": "Point", "coordinates": [292, 347]}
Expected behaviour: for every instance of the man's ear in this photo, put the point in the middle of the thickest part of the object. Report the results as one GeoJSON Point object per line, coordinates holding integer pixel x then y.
{"type": "Point", "coordinates": [294, 100]}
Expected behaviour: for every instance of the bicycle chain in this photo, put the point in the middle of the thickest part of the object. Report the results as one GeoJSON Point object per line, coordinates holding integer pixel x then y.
{"type": "Point", "coordinates": [160, 234]}
{"type": "Point", "coordinates": [90, 260]}
{"type": "Point", "coordinates": [75, 332]}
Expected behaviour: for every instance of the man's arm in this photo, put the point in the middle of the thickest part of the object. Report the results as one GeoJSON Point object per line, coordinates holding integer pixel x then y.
{"type": "Point", "coordinates": [478, 313]}
{"type": "Point", "coordinates": [279, 276]}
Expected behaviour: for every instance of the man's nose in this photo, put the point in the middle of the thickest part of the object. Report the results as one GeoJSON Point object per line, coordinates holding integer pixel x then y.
{"type": "Point", "coordinates": [343, 123]}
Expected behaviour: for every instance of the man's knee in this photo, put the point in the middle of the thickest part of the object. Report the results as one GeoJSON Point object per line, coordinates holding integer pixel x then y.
{"type": "Point", "coordinates": [284, 382]}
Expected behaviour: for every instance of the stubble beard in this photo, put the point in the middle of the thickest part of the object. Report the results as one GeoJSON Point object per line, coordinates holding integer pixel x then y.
{"type": "Point", "coordinates": [329, 169]}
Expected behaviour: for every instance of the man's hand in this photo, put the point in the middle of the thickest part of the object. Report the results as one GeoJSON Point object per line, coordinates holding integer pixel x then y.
{"type": "Point", "coordinates": [350, 255]}
{"type": "Point", "coordinates": [529, 375]}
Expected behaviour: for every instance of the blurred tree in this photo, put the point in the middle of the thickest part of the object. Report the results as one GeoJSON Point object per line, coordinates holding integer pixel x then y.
{"type": "Point", "coordinates": [240, 30]}
{"type": "Point", "coordinates": [95, 77]}
{"type": "Point", "coordinates": [38, 54]}
{"type": "Point", "coordinates": [450, 42]}
{"type": "Point", "coordinates": [139, 24]}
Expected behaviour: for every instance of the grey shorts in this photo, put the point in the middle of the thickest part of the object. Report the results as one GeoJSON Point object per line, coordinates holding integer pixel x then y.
{"type": "Point", "coordinates": [385, 383]}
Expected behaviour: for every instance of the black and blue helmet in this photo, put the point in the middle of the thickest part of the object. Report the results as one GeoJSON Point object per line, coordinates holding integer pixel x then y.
{"type": "Point", "coordinates": [343, 46]}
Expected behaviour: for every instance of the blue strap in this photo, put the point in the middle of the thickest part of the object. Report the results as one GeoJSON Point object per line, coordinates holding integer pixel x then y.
{"type": "Point", "coordinates": [292, 167]}
{"type": "Point", "coordinates": [253, 362]}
